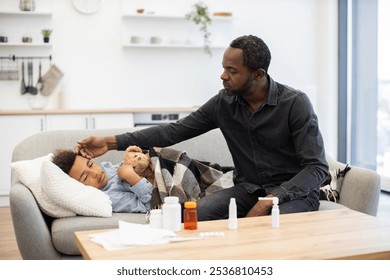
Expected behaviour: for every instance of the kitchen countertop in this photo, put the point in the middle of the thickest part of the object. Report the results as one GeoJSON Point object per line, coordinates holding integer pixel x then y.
{"type": "Point", "coordinates": [96, 111]}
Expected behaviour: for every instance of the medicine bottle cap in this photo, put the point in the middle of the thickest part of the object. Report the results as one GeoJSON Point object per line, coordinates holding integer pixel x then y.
{"type": "Point", "coordinates": [171, 199]}
{"type": "Point", "coordinates": [190, 204]}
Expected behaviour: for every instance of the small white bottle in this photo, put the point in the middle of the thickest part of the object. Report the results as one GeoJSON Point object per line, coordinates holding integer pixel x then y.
{"type": "Point", "coordinates": [275, 210]}
{"type": "Point", "coordinates": [171, 213]}
{"type": "Point", "coordinates": [275, 215]}
{"type": "Point", "coordinates": [156, 218]}
{"type": "Point", "coordinates": [233, 224]}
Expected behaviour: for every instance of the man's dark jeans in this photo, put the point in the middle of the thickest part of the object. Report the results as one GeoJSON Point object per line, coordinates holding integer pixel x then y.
{"type": "Point", "coordinates": [215, 206]}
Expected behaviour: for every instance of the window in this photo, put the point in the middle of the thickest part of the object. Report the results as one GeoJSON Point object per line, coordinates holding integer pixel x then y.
{"type": "Point", "coordinates": [364, 85]}
{"type": "Point", "coordinates": [383, 112]}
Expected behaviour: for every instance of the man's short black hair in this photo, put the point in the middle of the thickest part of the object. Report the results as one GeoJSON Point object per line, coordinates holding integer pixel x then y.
{"type": "Point", "coordinates": [255, 52]}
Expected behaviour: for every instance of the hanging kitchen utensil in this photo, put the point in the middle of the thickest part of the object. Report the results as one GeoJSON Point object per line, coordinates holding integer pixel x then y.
{"type": "Point", "coordinates": [9, 72]}
{"type": "Point", "coordinates": [3, 71]}
{"type": "Point", "coordinates": [28, 77]}
{"type": "Point", "coordinates": [39, 85]}
{"type": "Point", "coordinates": [23, 88]}
{"type": "Point", "coordinates": [31, 89]}
{"type": "Point", "coordinates": [50, 80]}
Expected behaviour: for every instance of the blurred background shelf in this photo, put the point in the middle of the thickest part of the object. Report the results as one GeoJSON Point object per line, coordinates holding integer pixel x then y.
{"type": "Point", "coordinates": [25, 44]}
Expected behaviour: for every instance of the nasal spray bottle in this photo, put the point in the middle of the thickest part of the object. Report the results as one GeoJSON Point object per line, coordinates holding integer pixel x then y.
{"type": "Point", "coordinates": [233, 224]}
{"type": "Point", "coordinates": [275, 210]}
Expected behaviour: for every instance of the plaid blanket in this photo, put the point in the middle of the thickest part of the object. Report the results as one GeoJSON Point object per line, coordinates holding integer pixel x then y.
{"type": "Point", "coordinates": [332, 186]}
{"type": "Point", "coordinates": [176, 174]}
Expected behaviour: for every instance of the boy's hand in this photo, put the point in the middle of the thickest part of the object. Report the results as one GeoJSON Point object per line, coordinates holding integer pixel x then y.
{"type": "Point", "coordinates": [126, 172]}
{"type": "Point", "coordinates": [127, 158]}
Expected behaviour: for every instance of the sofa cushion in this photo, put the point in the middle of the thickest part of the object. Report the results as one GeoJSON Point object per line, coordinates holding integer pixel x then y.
{"type": "Point", "coordinates": [329, 205]}
{"type": "Point", "coordinates": [63, 229]}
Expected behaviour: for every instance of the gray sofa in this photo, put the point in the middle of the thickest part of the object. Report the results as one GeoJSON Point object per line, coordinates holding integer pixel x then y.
{"type": "Point", "coordinates": [41, 237]}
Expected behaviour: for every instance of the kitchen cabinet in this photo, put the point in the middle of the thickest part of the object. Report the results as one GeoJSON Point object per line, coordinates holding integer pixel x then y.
{"type": "Point", "coordinates": [14, 129]}
{"type": "Point", "coordinates": [118, 120]}
{"type": "Point", "coordinates": [67, 121]}
{"type": "Point", "coordinates": [89, 121]}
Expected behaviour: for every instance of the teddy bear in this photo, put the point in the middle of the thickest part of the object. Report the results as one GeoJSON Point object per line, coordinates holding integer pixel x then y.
{"type": "Point", "coordinates": [140, 161]}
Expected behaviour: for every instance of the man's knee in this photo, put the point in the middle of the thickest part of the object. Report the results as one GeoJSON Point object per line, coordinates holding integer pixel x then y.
{"type": "Point", "coordinates": [213, 206]}
{"type": "Point", "coordinates": [306, 204]}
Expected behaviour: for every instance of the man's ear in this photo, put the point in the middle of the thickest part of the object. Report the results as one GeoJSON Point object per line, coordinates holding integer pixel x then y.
{"type": "Point", "coordinates": [260, 73]}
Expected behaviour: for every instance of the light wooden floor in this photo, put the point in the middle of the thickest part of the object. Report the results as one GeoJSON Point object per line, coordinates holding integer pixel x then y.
{"type": "Point", "coordinates": [9, 249]}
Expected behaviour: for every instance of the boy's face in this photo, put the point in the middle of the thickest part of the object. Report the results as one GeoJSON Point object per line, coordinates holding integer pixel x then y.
{"type": "Point", "coordinates": [89, 173]}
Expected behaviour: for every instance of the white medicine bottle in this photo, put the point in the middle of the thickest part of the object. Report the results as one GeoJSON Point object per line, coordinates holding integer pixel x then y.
{"type": "Point", "coordinates": [171, 213]}
{"type": "Point", "coordinates": [233, 224]}
{"type": "Point", "coordinates": [155, 218]}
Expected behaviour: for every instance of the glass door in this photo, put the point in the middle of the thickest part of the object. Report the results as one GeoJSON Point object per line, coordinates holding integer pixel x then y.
{"type": "Point", "coordinates": [383, 112]}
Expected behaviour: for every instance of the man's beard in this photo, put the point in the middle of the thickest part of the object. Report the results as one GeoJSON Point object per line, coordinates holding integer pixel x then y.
{"type": "Point", "coordinates": [242, 91]}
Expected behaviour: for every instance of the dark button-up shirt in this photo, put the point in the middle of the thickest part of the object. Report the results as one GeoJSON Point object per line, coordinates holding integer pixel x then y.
{"type": "Point", "coordinates": [278, 148]}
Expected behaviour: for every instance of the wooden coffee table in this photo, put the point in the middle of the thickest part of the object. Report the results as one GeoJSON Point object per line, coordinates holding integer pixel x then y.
{"type": "Point", "coordinates": [332, 234]}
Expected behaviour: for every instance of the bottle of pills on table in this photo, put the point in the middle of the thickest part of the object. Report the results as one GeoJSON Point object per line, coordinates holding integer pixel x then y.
{"type": "Point", "coordinates": [155, 218]}
{"type": "Point", "coordinates": [190, 215]}
{"type": "Point", "coordinates": [171, 213]}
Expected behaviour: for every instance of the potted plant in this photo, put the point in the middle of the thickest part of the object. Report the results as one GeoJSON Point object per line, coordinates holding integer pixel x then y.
{"type": "Point", "coordinates": [200, 16]}
{"type": "Point", "coordinates": [46, 35]}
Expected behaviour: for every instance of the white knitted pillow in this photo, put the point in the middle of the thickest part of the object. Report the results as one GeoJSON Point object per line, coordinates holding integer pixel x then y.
{"type": "Point", "coordinates": [73, 195]}
{"type": "Point", "coordinates": [28, 173]}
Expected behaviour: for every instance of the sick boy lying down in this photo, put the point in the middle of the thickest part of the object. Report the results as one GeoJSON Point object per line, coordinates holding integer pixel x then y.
{"type": "Point", "coordinates": [128, 183]}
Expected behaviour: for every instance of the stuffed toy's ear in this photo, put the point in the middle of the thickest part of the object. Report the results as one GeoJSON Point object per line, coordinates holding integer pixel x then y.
{"type": "Point", "coordinates": [135, 149]}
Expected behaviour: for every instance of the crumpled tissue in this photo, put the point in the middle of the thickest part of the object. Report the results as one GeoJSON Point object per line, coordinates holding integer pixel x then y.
{"type": "Point", "coordinates": [130, 234]}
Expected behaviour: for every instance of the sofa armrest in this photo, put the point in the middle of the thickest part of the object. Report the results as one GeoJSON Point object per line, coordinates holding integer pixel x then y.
{"type": "Point", "coordinates": [361, 188]}
{"type": "Point", "coordinates": [33, 238]}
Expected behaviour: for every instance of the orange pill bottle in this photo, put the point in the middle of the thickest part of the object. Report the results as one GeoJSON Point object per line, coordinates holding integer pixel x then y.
{"type": "Point", "coordinates": [190, 215]}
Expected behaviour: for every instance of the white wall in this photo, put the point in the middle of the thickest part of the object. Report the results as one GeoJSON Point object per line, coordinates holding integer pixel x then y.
{"type": "Point", "coordinates": [100, 73]}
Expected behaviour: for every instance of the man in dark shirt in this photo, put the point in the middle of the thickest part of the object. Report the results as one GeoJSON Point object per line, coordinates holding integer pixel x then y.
{"type": "Point", "coordinates": [271, 130]}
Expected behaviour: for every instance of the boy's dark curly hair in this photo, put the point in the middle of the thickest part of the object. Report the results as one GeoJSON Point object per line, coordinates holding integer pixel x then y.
{"type": "Point", "coordinates": [64, 159]}
{"type": "Point", "coordinates": [255, 52]}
